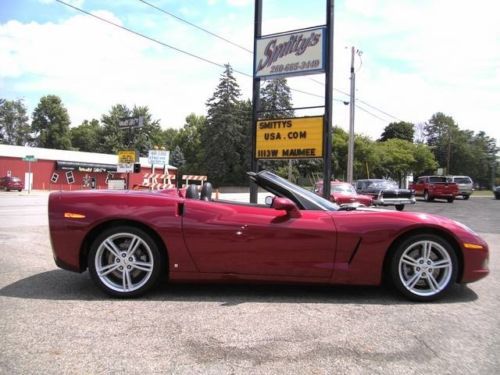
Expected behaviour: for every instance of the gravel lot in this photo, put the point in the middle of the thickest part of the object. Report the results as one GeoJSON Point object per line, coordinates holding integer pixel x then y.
{"type": "Point", "coordinates": [53, 321]}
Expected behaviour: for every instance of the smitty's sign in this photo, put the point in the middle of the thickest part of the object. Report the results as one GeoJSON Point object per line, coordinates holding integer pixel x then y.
{"type": "Point", "coordinates": [292, 138]}
{"type": "Point", "coordinates": [300, 52]}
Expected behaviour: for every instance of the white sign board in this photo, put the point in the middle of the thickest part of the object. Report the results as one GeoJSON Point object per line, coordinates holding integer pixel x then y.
{"type": "Point", "coordinates": [158, 157]}
{"type": "Point", "coordinates": [116, 184]}
{"type": "Point", "coordinates": [125, 168]}
{"type": "Point", "coordinates": [299, 52]}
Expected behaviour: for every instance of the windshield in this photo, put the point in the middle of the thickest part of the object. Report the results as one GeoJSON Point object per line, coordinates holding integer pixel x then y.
{"type": "Point", "coordinates": [462, 180]}
{"type": "Point", "coordinates": [302, 193]}
{"type": "Point", "coordinates": [384, 185]}
{"type": "Point", "coordinates": [343, 188]}
{"type": "Point", "coordinates": [435, 180]}
{"type": "Point", "coordinates": [15, 179]}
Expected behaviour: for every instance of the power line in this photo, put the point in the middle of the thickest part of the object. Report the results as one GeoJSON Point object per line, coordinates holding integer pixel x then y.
{"type": "Point", "coordinates": [150, 38]}
{"type": "Point", "coordinates": [196, 26]}
{"type": "Point", "coordinates": [251, 52]}
{"type": "Point", "coordinates": [172, 47]}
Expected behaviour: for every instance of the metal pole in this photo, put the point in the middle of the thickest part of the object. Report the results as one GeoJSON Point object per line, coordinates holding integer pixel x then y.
{"type": "Point", "coordinates": [255, 97]}
{"type": "Point", "coordinates": [350, 149]}
{"type": "Point", "coordinates": [327, 130]}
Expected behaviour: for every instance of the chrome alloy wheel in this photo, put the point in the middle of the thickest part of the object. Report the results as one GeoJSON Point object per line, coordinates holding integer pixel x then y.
{"type": "Point", "coordinates": [425, 268]}
{"type": "Point", "coordinates": [124, 262]}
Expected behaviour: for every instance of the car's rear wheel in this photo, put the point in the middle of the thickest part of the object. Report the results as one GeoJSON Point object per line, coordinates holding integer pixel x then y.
{"type": "Point", "coordinates": [424, 267]}
{"type": "Point", "coordinates": [400, 207]}
{"type": "Point", "coordinates": [125, 261]}
{"type": "Point", "coordinates": [450, 200]}
{"type": "Point", "coordinates": [466, 196]}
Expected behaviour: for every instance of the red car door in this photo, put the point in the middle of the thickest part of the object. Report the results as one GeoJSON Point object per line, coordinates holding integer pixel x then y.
{"type": "Point", "coordinates": [258, 240]}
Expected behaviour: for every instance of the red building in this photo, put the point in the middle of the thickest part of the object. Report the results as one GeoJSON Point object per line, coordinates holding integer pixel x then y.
{"type": "Point", "coordinates": [69, 170]}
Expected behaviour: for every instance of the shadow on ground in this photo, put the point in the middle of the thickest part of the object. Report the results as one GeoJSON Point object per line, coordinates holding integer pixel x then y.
{"type": "Point", "coordinates": [63, 285]}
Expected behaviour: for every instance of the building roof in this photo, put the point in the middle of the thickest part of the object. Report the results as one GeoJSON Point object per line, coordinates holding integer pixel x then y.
{"type": "Point", "coordinates": [65, 155]}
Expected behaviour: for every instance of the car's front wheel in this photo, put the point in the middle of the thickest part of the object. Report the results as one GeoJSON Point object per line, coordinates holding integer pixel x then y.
{"type": "Point", "coordinates": [400, 207]}
{"type": "Point", "coordinates": [125, 261]}
{"type": "Point", "coordinates": [427, 196]}
{"type": "Point", "coordinates": [424, 267]}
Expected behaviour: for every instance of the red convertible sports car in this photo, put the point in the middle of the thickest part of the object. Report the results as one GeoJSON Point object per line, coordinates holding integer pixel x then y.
{"type": "Point", "coordinates": [130, 240]}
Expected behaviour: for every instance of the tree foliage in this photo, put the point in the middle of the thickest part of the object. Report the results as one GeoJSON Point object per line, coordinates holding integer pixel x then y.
{"type": "Point", "coordinates": [87, 136]}
{"type": "Point", "coordinates": [14, 126]}
{"type": "Point", "coordinates": [399, 130]}
{"type": "Point", "coordinates": [223, 134]}
{"type": "Point", "coordinates": [50, 124]}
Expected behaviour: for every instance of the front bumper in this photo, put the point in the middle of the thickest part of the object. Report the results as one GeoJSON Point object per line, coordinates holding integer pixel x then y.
{"type": "Point", "coordinates": [381, 201]}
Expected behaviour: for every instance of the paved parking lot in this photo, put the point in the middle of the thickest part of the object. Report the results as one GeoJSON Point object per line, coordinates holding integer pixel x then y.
{"type": "Point", "coordinates": [54, 321]}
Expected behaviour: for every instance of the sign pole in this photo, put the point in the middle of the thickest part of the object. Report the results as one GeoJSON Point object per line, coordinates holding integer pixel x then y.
{"type": "Point", "coordinates": [255, 98]}
{"type": "Point", "coordinates": [327, 157]}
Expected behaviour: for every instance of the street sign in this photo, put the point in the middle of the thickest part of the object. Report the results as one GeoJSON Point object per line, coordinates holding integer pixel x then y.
{"type": "Point", "coordinates": [295, 53]}
{"type": "Point", "coordinates": [131, 122]}
{"type": "Point", "coordinates": [158, 157]}
{"type": "Point", "coordinates": [127, 156]}
{"type": "Point", "coordinates": [30, 158]}
{"type": "Point", "coordinates": [126, 160]}
{"type": "Point", "coordinates": [291, 138]}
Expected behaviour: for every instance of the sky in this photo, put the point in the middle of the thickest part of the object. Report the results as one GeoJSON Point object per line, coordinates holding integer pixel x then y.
{"type": "Point", "coordinates": [417, 57]}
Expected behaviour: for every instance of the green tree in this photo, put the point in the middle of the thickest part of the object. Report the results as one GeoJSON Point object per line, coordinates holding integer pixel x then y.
{"type": "Point", "coordinates": [400, 130]}
{"type": "Point", "coordinates": [50, 124]}
{"type": "Point", "coordinates": [222, 136]}
{"type": "Point", "coordinates": [113, 139]}
{"type": "Point", "coordinates": [442, 133]}
{"type": "Point", "coordinates": [177, 158]}
{"type": "Point", "coordinates": [141, 139]}
{"type": "Point", "coordinates": [189, 141]}
{"type": "Point", "coordinates": [14, 127]}
{"type": "Point", "coordinates": [87, 136]}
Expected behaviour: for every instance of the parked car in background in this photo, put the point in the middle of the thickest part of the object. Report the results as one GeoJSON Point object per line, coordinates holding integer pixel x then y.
{"type": "Point", "coordinates": [386, 193]}
{"type": "Point", "coordinates": [431, 187]}
{"type": "Point", "coordinates": [465, 185]}
{"type": "Point", "coordinates": [344, 193]}
{"type": "Point", "coordinates": [496, 191]}
{"type": "Point", "coordinates": [11, 183]}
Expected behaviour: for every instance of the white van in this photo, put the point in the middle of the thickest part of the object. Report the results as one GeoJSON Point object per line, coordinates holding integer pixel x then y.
{"type": "Point", "coordinates": [465, 185]}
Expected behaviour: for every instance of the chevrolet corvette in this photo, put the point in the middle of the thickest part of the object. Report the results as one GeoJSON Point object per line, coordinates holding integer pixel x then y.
{"type": "Point", "coordinates": [130, 240]}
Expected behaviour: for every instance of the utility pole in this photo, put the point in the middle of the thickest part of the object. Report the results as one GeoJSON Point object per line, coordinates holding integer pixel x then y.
{"type": "Point", "coordinates": [350, 148]}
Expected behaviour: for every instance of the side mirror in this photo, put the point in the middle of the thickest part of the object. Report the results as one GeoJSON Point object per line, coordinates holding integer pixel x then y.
{"type": "Point", "coordinates": [287, 205]}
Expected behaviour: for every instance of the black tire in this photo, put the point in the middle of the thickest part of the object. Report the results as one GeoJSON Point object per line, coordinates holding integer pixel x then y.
{"type": "Point", "coordinates": [450, 200]}
{"type": "Point", "coordinates": [466, 197]}
{"type": "Point", "coordinates": [427, 197]}
{"type": "Point", "coordinates": [400, 207]}
{"type": "Point", "coordinates": [129, 261]}
{"type": "Point", "coordinates": [424, 277]}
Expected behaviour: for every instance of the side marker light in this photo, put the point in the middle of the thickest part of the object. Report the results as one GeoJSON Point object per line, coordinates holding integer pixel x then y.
{"type": "Point", "coordinates": [71, 215]}
{"type": "Point", "coordinates": [472, 246]}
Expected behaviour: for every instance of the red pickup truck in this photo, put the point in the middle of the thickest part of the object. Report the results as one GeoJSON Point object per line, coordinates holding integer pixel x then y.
{"type": "Point", "coordinates": [431, 187]}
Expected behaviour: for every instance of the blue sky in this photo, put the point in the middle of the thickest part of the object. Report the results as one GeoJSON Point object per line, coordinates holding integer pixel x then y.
{"type": "Point", "coordinates": [419, 57]}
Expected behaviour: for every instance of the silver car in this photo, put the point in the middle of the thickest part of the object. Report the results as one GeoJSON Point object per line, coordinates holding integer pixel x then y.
{"type": "Point", "coordinates": [465, 185]}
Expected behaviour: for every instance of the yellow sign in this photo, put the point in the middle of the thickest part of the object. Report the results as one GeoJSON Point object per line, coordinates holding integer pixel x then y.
{"type": "Point", "coordinates": [126, 157]}
{"type": "Point", "coordinates": [291, 138]}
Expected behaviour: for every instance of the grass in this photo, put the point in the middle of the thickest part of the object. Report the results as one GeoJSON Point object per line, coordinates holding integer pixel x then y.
{"type": "Point", "coordinates": [482, 193]}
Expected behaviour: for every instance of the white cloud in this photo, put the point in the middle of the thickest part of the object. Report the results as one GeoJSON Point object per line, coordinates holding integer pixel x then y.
{"type": "Point", "coordinates": [419, 58]}
{"type": "Point", "coordinates": [239, 3]}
